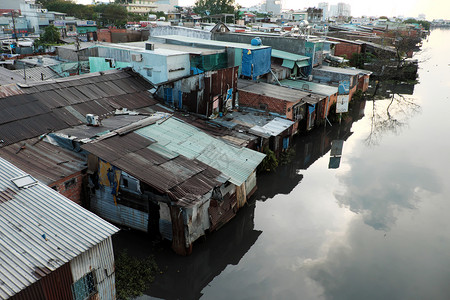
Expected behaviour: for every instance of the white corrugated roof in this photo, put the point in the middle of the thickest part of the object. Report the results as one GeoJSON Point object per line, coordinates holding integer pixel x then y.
{"type": "Point", "coordinates": [273, 128]}
{"type": "Point", "coordinates": [40, 230]}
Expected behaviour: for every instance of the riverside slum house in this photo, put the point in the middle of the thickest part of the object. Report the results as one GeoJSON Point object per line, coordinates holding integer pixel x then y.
{"type": "Point", "coordinates": [51, 248]}
{"type": "Point", "coordinates": [30, 111]}
{"type": "Point", "coordinates": [328, 91]}
{"type": "Point", "coordinates": [162, 175]}
{"type": "Point", "coordinates": [43, 109]}
{"type": "Point", "coordinates": [198, 80]}
{"type": "Point", "coordinates": [291, 104]}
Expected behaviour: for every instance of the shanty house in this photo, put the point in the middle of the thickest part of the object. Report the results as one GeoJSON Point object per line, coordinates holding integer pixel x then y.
{"type": "Point", "coordinates": [288, 64]}
{"type": "Point", "coordinates": [206, 94]}
{"type": "Point", "coordinates": [160, 175]}
{"type": "Point", "coordinates": [292, 104]}
{"type": "Point", "coordinates": [51, 248]}
{"type": "Point", "coordinates": [32, 111]}
{"type": "Point", "coordinates": [271, 130]}
{"type": "Point", "coordinates": [253, 60]}
{"type": "Point", "coordinates": [329, 91]}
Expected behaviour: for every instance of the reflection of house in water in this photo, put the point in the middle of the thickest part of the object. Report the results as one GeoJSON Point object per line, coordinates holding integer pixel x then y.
{"type": "Point", "coordinates": [386, 89]}
{"type": "Point", "coordinates": [308, 149]}
{"type": "Point", "coordinates": [186, 277]}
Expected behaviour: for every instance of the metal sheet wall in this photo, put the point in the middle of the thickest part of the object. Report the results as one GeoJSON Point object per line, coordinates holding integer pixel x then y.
{"type": "Point", "coordinates": [54, 286]}
{"type": "Point", "coordinates": [103, 205]}
{"type": "Point", "coordinates": [100, 259]}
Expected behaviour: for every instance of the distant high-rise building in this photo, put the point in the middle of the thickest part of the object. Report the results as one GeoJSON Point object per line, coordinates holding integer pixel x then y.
{"type": "Point", "coordinates": [422, 17]}
{"type": "Point", "coordinates": [343, 10]}
{"type": "Point", "coordinates": [324, 7]}
{"type": "Point", "coordinates": [333, 12]}
{"type": "Point", "coordinates": [272, 6]}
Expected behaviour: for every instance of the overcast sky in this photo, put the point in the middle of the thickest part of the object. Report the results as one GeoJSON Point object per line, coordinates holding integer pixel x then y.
{"type": "Point", "coordinates": [433, 9]}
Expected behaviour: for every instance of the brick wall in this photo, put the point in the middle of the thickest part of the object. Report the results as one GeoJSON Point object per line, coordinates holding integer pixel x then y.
{"type": "Point", "coordinates": [363, 83]}
{"type": "Point", "coordinates": [259, 101]}
{"type": "Point", "coordinates": [104, 35]}
{"type": "Point", "coordinates": [70, 186]}
{"type": "Point", "coordinates": [346, 49]}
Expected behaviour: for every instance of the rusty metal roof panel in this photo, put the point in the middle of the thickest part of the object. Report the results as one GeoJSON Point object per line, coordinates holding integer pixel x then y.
{"type": "Point", "coordinates": [128, 85]}
{"type": "Point", "coordinates": [92, 107]}
{"type": "Point", "coordinates": [133, 101]}
{"type": "Point", "coordinates": [115, 147]}
{"type": "Point", "coordinates": [128, 153]}
{"type": "Point", "coordinates": [14, 132]}
{"type": "Point", "coordinates": [114, 88]}
{"type": "Point", "coordinates": [69, 119]}
{"type": "Point", "coordinates": [41, 231]}
{"type": "Point", "coordinates": [51, 99]}
{"type": "Point", "coordinates": [46, 162]}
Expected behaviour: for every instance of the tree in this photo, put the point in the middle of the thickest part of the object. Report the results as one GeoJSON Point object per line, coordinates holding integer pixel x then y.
{"type": "Point", "coordinates": [425, 24]}
{"type": "Point", "coordinates": [111, 14]}
{"type": "Point", "coordinates": [50, 36]}
{"type": "Point", "coordinates": [214, 7]}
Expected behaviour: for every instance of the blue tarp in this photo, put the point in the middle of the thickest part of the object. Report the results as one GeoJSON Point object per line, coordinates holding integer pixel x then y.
{"type": "Point", "coordinates": [344, 87]}
{"type": "Point", "coordinates": [312, 108]}
{"type": "Point", "coordinates": [256, 62]}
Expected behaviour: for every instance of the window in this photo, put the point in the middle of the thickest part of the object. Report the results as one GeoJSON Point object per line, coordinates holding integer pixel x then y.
{"type": "Point", "coordinates": [85, 287]}
{"type": "Point", "coordinates": [70, 183]}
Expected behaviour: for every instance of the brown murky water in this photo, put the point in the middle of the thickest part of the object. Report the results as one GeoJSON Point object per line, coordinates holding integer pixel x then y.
{"type": "Point", "coordinates": [373, 226]}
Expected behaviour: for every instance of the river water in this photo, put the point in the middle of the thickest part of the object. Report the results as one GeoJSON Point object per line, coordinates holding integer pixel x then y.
{"type": "Point", "coordinates": [372, 223]}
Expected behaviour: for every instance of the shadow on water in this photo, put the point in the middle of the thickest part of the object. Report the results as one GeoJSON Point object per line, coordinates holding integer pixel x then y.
{"type": "Point", "coordinates": [185, 277]}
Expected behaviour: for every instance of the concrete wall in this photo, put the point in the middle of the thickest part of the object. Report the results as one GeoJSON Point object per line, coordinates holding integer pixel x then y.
{"type": "Point", "coordinates": [292, 45]}
{"type": "Point", "coordinates": [177, 30]}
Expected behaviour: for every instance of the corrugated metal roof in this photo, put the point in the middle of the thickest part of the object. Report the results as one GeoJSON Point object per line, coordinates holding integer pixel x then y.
{"type": "Point", "coordinates": [40, 230]}
{"type": "Point", "coordinates": [185, 180]}
{"type": "Point", "coordinates": [44, 161]}
{"type": "Point", "coordinates": [10, 76]}
{"type": "Point", "coordinates": [271, 90]}
{"type": "Point", "coordinates": [309, 86]}
{"type": "Point", "coordinates": [288, 55]}
{"type": "Point", "coordinates": [35, 108]}
{"type": "Point", "coordinates": [184, 139]}
{"type": "Point", "coordinates": [37, 74]}
{"type": "Point", "coordinates": [273, 128]}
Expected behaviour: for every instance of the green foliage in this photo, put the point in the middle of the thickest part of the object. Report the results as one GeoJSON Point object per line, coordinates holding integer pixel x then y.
{"type": "Point", "coordinates": [133, 275]}
{"type": "Point", "coordinates": [50, 37]}
{"type": "Point", "coordinates": [110, 14]}
{"type": "Point", "coordinates": [287, 156]}
{"type": "Point", "coordinates": [270, 162]}
{"type": "Point", "coordinates": [425, 24]}
{"type": "Point", "coordinates": [358, 60]}
{"type": "Point", "coordinates": [214, 7]}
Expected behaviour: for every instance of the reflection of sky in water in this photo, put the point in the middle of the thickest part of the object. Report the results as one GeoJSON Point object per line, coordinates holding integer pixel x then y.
{"type": "Point", "coordinates": [376, 228]}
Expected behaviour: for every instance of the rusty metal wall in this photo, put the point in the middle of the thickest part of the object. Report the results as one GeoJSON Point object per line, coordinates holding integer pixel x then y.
{"type": "Point", "coordinates": [103, 205]}
{"type": "Point", "coordinates": [54, 286]}
{"type": "Point", "coordinates": [99, 259]}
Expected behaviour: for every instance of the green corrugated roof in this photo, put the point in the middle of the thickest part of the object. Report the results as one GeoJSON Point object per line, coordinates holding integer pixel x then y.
{"type": "Point", "coordinates": [288, 55]}
{"type": "Point", "coordinates": [187, 140]}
